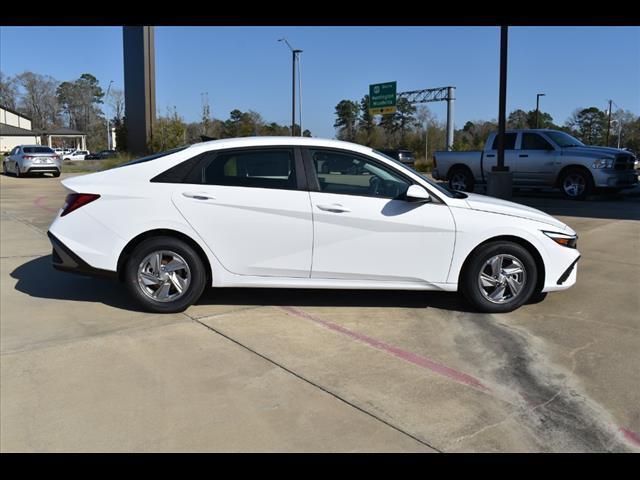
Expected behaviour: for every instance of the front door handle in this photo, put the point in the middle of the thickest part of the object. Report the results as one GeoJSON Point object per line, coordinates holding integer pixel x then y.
{"type": "Point", "coordinates": [334, 208]}
{"type": "Point", "coordinates": [522, 155]}
{"type": "Point", "coordinates": [198, 196]}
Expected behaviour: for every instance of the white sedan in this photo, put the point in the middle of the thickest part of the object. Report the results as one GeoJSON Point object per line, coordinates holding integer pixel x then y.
{"type": "Point", "coordinates": [75, 155]}
{"type": "Point", "coordinates": [295, 212]}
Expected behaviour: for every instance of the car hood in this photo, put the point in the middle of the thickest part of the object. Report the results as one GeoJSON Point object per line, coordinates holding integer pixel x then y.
{"type": "Point", "coordinates": [503, 207]}
{"type": "Point", "coordinates": [594, 151]}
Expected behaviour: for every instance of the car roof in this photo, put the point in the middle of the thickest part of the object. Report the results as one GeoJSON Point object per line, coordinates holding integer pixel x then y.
{"type": "Point", "coordinates": [275, 141]}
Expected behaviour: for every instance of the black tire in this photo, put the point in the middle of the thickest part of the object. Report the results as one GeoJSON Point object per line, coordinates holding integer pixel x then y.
{"type": "Point", "coordinates": [579, 177]}
{"type": "Point", "coordinates": [56, 174]}
{"type": "Point", "coordinates": [470, 287]}
{"type": "Point", "coordinates": [461, 178]}
{"type": "Point", "coordinates": [18, 172]}
{"type": "Point", "coordinates": [198, 274]}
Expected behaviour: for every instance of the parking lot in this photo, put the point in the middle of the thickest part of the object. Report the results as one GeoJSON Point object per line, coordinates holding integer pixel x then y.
{"type": "Point", "coordinates": [83, 369]}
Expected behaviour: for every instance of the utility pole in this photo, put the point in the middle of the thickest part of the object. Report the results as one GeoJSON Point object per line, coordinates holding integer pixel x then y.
{"type": "Point", "coordinates": [538, 107]}
{"type": "Point", "coordinates": [609, 122]}
{"type": "Point", "coordinates": [106, 97]}
{"type": "Point", "coordinates": [294, 53]}
{"type": "Point", "coordinates": [500, 182]}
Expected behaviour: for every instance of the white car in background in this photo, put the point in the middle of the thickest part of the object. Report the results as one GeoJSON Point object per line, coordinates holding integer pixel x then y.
{"type": "Point", "coordinates": [297, 212]}
{"type": "Point", "coordinates": [75, 155]}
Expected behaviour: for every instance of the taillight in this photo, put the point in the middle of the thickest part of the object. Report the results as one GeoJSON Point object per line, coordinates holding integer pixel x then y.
{"type": "Point", "coordinates": [28, 156]}
{"type": "Point", "coordinates": [77, 200]}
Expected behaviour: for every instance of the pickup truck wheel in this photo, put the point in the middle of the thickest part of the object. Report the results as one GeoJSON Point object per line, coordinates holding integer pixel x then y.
{"type": "Point", "coordinates": [461, 179]}
{"type": "Point", "coordinates": [576, 184]}
{"type": "Point", "coordinates": [500, 277]}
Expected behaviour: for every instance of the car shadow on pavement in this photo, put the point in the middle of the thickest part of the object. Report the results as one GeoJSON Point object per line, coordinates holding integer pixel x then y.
{"type": "Point", "coordinates": [37, 278]}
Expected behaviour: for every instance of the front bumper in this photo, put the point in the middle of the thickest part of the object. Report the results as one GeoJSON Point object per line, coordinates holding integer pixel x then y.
{"type": "Point", "coordinates": [65, 260]}
{"type": "Point", "coordinates": [609, 178]}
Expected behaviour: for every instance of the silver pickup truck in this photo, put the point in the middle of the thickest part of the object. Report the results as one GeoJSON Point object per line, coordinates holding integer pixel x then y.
{"type": "Point", "coordinates": [542, 158]}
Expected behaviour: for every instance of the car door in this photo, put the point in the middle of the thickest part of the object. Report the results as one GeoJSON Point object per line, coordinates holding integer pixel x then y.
{"type": "Point", "coordinates": [510, 158]}
{"type": "Point", "coordinates": [536, 160]}
{"type": "Point", "coordinates": [251, 208]}
{"type": "Point", "coordinates": [364, 230]}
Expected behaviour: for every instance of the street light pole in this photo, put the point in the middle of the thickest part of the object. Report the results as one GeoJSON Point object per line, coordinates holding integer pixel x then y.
{"type": "Point", "coordinates": [609, 122]}
{"type": "Point", "coordinates": [294, 59]}
{"type": "Point", "coordinates": [108, 122]}
{"type": "Point", "coordinates": [500, 179]}
{"type": "Point", "coordinates": [538, 106]}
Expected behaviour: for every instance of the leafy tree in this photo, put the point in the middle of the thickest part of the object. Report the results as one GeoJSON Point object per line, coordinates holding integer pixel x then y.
{"type": "Point", "coordinates": [366, 121]}
{"type": "Point", "coordinates": [518, 119]}
{"type": "Point", "coordinates": [347, 117]}
{"type": "Point", "coordinates": [168, 132]}
{"type": "Point", "coordinates": [589, 125]}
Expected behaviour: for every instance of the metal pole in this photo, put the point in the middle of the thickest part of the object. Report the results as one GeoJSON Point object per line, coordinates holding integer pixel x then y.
{"type": "Point", "coordinates": [537, 108]}
{"type": "Point", "coordinates": [619, 132]}
{"type": "Point", "coordinates": [609, 122]}
{"type": "Point", "coordinates": [426, 140]}
{"type": "Point", "coordinates": [293, 95]}
{"type": "Point", "coordinates": [450, 105]}
{"type": "Point", "coordinates": [108, 130]}
{"type": "Point", "coordinates": [299, 96]}
{"type": "Point", "coordinates": [503, 97]}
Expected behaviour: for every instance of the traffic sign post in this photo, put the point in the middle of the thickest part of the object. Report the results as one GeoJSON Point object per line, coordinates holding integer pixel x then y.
{"type": "Point", "coordinates": [382, 98]}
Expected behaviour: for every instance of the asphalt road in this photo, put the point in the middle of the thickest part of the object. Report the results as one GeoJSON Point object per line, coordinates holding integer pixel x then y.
{"type": "Point", "coordinates": [82, 369]}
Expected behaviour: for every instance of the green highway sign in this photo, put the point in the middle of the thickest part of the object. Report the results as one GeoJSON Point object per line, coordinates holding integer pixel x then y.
{"type": "Point", "coordinates": [382, 98]}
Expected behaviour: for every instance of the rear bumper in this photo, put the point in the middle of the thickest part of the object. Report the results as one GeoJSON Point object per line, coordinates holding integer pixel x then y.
{"type": "Point", "coordinates": [66, 260]}
{"type": "Point", "coordinates": [43, 169]}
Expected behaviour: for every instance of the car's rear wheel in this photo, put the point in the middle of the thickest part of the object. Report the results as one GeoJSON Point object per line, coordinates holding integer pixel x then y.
{"type": "Point", "coordinates": [165, 275]}
{"type": "Point", "coordinates": [500, 277]}
{"type": "Point", "coordinates": [461, 179]}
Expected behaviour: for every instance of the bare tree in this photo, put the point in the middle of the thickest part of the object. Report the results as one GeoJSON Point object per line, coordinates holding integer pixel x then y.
{"type": "Point", "coordinates": [116, 102]}
{"type": "Point", "coordinates": [39, 99]}
{"type": "Point", "coordinates": [8, 91]}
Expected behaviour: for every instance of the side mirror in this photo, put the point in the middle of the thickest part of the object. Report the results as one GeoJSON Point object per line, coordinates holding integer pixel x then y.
{"type": "Point", "coordinates": [416, 193]}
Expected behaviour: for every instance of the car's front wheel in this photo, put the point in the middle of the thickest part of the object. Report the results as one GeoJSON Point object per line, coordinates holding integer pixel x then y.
{"type": "Point", "coordinates": [499, 277]}
{"type": "Point", "coordinates": [165, 275]}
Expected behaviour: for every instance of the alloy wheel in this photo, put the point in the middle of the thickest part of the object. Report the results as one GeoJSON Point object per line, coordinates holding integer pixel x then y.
{"type": "Point", "coordinates": [502, 278]}
{"type": "Point", "coordinates": [574, 185]}
{"type": "Point", "coordinates": [164, 276]}
{"type": "Point", "coordinates": [459, 181]}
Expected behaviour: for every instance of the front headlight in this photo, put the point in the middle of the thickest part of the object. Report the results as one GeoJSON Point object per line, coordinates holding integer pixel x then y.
{"type": "Point", "coordinates": [603, 163]}
{"type": "Point", "coordinates": [570, 241]}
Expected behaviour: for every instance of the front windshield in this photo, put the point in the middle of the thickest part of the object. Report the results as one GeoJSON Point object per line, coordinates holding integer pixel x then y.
{"type": "Point", "coordinates": [564, 139]}
{"type": "Point", "coordinates": [442, 189]}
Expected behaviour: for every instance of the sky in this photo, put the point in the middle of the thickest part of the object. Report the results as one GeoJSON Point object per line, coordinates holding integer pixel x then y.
{"type": "Point", "coordinates": [247, 68]}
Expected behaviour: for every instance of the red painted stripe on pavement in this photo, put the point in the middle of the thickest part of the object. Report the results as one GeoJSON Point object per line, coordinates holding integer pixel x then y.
{"type": "Point", "coordinates": [631, 436]}
{"type": "Point", "coordinates": [461, 377]}
{"type": "Point", "coordinates": [410, 357]}
{"type": "Point", "coordinates": [38, 203]}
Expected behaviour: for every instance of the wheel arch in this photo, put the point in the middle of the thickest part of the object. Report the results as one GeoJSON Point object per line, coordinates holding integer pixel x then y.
{"type": "Point", "coordinates": [572, 166]}
{"type": "Point", "coordinates": [457, 166]}
{"type": "Point", "coordinates": [517, 240]}
{"type": "Point", "coordinates": [134, 242]}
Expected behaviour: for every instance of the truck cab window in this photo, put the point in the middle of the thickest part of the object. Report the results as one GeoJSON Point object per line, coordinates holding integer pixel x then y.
{"type": "Point", "coordinates": [533, 141]}
{"type": "Point", "coordinates": [509, 141]}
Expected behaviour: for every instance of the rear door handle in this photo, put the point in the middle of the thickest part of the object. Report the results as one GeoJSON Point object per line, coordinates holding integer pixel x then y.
{"type": "Point", "coordinates": [523, 155]}
{"type": "Point", "coordinates": [491, 155]}
{"type": "Point", "coordinates": [198, 196]}
{"type": "Point", "coordinates": [335, 208]}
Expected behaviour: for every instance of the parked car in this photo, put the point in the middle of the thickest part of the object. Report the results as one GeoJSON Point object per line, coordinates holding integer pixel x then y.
{"type": "Point", "coordinates": [404, 156]}
{"type": "Point", "coordinates": [101, 155]}
{"type": "Point", "coordinates": [76, 155]}
{"type": "Point", "coordinates": [26, 159]}
{"type": "Point", "coordinates": [262, 212]}
{"type": "Point", "coordinates": [542, 158]}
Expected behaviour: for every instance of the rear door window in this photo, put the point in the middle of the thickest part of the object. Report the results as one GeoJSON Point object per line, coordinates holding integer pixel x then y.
{"type": "Point", "coordinates": [533, 141]}
{"type": "Point", "coordinates": [509, 141]}
{"type": "Point", "coordinates": [269, 168]}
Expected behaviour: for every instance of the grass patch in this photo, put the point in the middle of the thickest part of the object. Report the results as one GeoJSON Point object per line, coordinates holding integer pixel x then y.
{"type": "Point", "coordinates": [91, 166]}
